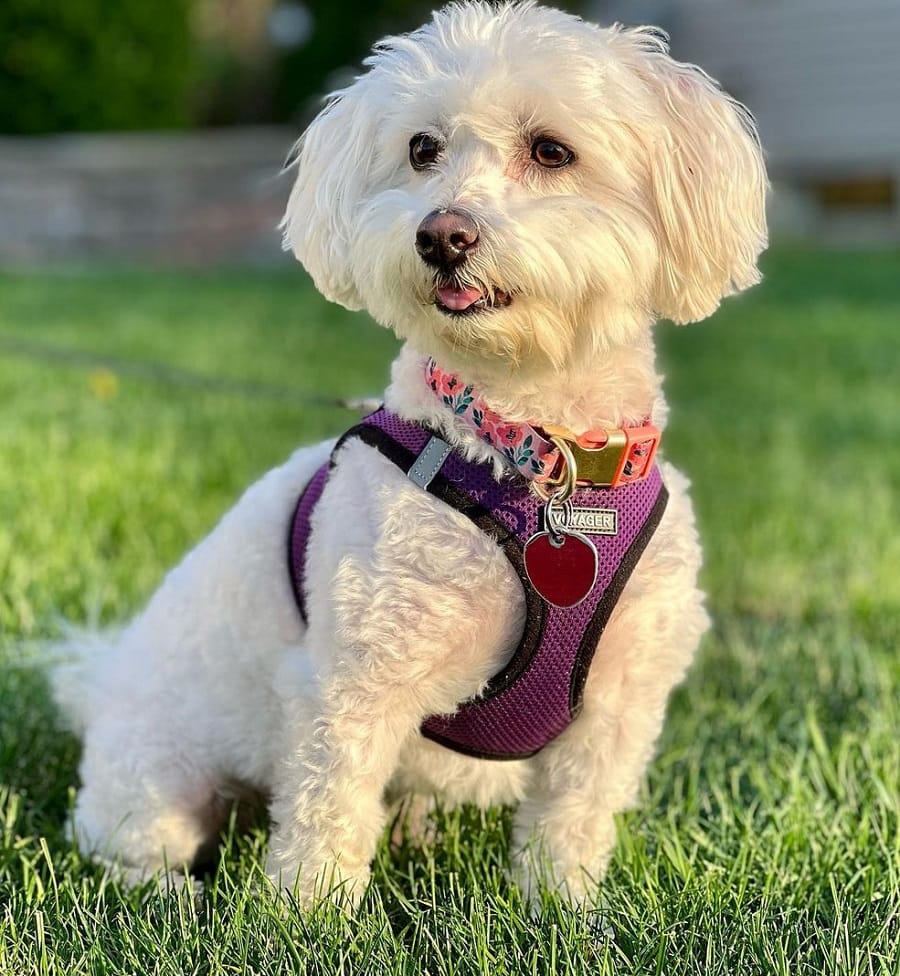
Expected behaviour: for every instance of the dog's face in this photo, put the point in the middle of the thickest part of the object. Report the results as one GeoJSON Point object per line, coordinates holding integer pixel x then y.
{"type": "Point", "coordinates": [515, 186]}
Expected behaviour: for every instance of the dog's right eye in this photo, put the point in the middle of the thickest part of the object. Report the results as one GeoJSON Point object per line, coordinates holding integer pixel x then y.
{"type": "Point", "coordinates": [424, 149]}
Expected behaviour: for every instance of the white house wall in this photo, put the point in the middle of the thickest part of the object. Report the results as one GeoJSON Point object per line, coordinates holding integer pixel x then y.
{"type": "Point", "coordinates": [821, 76]}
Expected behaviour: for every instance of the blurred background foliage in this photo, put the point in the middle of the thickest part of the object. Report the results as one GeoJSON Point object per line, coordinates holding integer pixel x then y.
{"type": "Point", "coordinates": [84, 65]}
{"type": "Point", "coordinates": [80, 65]}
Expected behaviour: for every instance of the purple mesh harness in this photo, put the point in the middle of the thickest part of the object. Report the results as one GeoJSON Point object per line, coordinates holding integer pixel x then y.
{"type": "Point", "coordinates": [539, 692]}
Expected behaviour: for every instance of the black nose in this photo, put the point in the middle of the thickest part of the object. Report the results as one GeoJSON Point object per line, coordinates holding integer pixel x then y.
{"type": "Point", "coordinates": [444, 236]}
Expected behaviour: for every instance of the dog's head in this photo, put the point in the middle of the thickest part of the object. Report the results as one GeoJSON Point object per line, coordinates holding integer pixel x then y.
{"type": "Point", "coordinates": [513, 184]}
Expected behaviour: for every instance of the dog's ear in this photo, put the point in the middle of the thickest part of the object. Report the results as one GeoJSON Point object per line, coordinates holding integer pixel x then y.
{"type": "Point", "coordinates": [708, 181]}
{"type": "Point", "coordinates": [332, 159]}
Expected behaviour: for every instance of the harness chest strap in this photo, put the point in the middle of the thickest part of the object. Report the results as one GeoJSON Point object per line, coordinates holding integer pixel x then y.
{"type": "Point", "coordinates": [539, 692]}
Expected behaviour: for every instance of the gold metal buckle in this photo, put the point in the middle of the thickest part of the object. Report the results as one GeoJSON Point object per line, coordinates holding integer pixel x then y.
{"type": "Point", "coordinates": [592, 465]}
{"type": "Point", "coordinates": [599, 465]}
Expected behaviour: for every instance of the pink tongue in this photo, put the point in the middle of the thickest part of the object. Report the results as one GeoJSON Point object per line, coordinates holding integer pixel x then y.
{"type": "Point", "coordinates": [458, 299]}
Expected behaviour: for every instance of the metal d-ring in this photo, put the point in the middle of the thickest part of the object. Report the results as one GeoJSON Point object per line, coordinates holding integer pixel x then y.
{"type": "Point", "coordinates": [562, 489]}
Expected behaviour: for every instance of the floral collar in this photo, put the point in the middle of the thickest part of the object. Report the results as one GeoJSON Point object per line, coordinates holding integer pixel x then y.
{"type": "Point", "coordinates": [551, 456]}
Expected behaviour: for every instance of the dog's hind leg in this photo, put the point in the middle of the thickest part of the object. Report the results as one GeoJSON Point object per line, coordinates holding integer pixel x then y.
{"type": "Point", "coordinates": [145, 807]}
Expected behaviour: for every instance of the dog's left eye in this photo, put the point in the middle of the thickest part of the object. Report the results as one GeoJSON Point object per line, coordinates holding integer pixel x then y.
{"type": "Point", "coordinates": [550, 154]}
{"type": "Point", "coordinates": [424, 149]}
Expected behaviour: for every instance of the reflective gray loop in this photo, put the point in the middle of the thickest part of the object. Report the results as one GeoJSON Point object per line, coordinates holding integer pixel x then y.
{"type": "Point", "coordinates": [429, 462]}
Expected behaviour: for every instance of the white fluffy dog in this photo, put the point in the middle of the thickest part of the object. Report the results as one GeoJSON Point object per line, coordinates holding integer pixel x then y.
{"type": "Point", "coordinates": [597, 185]}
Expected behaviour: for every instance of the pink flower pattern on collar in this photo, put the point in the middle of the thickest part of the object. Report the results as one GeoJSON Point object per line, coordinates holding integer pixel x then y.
{"type": "Point", "coordinates": [529, 452]}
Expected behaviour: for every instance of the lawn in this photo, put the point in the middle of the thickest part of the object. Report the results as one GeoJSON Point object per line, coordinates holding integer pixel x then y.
{"type": "Point", "coordinates": [136, 408]}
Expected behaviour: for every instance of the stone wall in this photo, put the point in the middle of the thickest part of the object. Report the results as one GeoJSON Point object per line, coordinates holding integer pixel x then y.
{"type": "Point", "coordinates": [192, 198]}
{"type": "Point", "coordinates": [216, 197]}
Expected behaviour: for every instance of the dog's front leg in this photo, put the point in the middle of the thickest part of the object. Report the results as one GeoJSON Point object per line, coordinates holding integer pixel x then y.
{"type": "Point", "coordinates": [397, 632]}
{"type": "Point", "coordinates": [328, 810]}
{"type": "Point", "coordinates": [328, 807]}
{"type": "Point", "coordinates": [565, 830]}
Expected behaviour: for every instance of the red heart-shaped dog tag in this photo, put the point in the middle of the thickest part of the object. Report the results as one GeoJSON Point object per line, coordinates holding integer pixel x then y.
{"type": "Point", "coordinates": [564, 572]}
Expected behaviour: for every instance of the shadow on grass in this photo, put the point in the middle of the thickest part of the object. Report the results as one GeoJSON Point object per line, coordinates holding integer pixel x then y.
{"type": "Point", "coordinates": [38, 756]}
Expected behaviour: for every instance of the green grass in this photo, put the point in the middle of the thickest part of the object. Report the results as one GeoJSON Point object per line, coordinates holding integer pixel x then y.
{"type": "Point", "coordinates": [767, 840]}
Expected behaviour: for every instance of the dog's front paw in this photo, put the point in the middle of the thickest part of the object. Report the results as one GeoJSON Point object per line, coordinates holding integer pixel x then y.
{"type": "Point", "coordinates": [539, 884]}
{"type": "Point", "coordinates": [309, 884]}
{"type": "Point", "coordinates": [536, 874]}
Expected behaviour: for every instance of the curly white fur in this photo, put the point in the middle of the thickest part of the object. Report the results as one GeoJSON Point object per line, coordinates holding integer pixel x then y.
{"type": "Point", "coordinates": [411, 608]}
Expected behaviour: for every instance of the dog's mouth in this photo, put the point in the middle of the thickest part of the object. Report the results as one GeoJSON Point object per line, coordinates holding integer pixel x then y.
{"type": "Point", "coordinates": [455, 298]}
